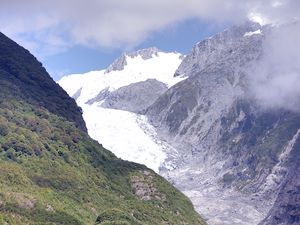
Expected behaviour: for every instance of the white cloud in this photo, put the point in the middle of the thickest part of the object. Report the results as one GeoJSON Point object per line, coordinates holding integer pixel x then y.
{"type": "Point", "coordinates": [48, 27]}
{"type": "Point", "coordinates": [276, 78]}
{"type": "Point", "coordinates": [110, 23]}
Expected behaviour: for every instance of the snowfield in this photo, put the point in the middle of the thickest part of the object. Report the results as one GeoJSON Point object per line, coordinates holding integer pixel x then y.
{"type": "Point", "coordinates": [161, 67]}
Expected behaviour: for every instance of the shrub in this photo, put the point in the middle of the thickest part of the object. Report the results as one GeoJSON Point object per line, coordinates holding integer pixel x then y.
{"type": "Point", "coordinates": [4, 130]}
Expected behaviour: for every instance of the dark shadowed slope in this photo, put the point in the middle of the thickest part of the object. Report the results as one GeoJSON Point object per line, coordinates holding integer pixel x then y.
{"type": "Point", "coordinates": [31, 82]}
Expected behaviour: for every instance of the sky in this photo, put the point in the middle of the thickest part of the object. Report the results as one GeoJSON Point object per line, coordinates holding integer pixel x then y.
{"type": "Point", "coordinates": [76, 36]}
{"type": "Point", "coordinates": [79, 58]}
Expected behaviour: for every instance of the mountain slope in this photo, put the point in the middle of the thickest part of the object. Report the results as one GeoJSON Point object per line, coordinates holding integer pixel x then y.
{"type": "Point", "coordinates": [53, 173]}
{"type": "Point", "coordinates": [286, 209]}
{"type": "Point", "coordinates": [31, 84]}
{"type": "Point", "coordinates": [192, 116]}
{"type": "Point", "coordinates": [232, 147]}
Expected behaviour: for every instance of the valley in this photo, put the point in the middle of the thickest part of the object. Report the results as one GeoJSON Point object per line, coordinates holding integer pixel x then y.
{"type": "Point", "coordinates": [200, 127]}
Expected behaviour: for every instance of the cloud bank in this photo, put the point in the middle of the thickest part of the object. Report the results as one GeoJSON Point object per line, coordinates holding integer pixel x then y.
{"type": "Point", "coordinates": [275, 81]}
{"type": "Point", "coordinates": [50, 26]}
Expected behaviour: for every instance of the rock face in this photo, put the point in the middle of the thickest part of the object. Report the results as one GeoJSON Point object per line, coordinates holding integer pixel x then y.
{"type": "Point", "coordinates": [216, 78]}
{"type": "Point", "coordinates": [218, 47]}
{"type": "Point", "coordinates": [144, 187]}
{"type": "Point", "coordinates": [121, 62]}
{"type": "Point", "coordinates": [286, 209]}
{"type": "Point", "coordinates": [230, 151]}
{"type": "Point", "coordinates": [135, 97]}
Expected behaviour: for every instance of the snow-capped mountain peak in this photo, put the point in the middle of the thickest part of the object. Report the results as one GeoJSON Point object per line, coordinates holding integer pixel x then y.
{"type": "Point", "coordinates": [129, 68]}
{"type": "Point", "coordinates": [122, 61]}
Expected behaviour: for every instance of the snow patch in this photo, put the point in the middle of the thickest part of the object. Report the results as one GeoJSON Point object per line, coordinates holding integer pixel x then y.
{"type": "Point", "coordinates": [250, 33]}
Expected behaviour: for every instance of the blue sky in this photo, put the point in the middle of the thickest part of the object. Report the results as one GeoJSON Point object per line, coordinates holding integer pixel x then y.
{"type": "Point", "coordinates": [180, 37]}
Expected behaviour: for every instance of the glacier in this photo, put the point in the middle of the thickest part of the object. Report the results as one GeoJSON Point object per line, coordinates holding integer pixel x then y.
{"type": "Point", "coordinates": [128, 135]}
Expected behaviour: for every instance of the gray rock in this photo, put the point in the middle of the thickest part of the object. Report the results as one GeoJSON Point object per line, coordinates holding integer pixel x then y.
{"type": "Point", "coordinates": [135, 97]}
{"type": "Point", "coordinates": [232, 155]}
{"type": "Point", "coordinates": [286, 209]}
{"type": "Point", "coordinates": [77, 94]}
{"type": "Point", "coordinates": [215, 48]}
{"type": "Point", "coordinates": [212, 85]}
{"type": "Point", "coordinates": [121, 62]}
{"type": "Point", "coordinates": [105, 93]}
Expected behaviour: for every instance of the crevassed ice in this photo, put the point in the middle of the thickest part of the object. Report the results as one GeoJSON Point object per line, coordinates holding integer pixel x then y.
{"type": "Point", "coordinates": [120, 132]}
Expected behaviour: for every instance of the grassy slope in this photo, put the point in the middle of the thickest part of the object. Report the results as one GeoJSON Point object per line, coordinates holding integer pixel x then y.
{"type": "Point", "coordinates": [51, 172]}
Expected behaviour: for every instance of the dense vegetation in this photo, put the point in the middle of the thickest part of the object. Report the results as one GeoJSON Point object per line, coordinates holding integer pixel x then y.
{"type": "Point", "coordinates": [51, 172]}
{"type": "Point", "coordinates": [32, 82]}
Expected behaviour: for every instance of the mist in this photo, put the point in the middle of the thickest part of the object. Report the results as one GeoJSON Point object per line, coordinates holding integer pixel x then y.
{"type": "Point", "coordinates": [275, 79]}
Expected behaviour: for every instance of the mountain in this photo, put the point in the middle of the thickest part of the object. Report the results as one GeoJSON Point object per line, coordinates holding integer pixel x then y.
{"type": "Point", "coordinates": [286, 207]}
{"type": "Point", "coordinates": [232, 148]}
{"type": "Point", "coordinates": [206, 133]}
{"type": "Point", "coordinates": [52, 172]}
{"type": "Point", "coordinates": [30, 83]}
{"type": "Point", "coordinates": [113, 99]}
